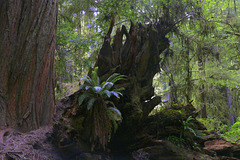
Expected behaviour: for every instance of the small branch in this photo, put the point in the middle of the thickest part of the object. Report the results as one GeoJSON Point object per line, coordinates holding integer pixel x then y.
{"type": "Point", "coordinates": [149, 106]}
{"type": "Point", "coordinates": [234, 32]}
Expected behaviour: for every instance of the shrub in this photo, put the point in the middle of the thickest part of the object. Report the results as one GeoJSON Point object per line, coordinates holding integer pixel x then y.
{"type": "Point", "coordinates": [233, 133]}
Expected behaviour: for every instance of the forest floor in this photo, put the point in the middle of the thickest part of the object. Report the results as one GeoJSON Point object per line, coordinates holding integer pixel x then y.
{"type": "Point", "coordinates": [37, 145]}
{"type": "Point", "coordinates": [34, 145]}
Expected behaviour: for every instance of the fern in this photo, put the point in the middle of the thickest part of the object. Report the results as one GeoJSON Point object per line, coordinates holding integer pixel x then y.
{"type": "Point", "coordinates": [105, 119]}
{"type": "Point", "coordinates": [98, 89]}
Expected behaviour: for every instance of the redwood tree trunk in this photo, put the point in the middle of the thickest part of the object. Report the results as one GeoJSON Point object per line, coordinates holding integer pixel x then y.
{"type": "Point", "coordinates": [27, 44]}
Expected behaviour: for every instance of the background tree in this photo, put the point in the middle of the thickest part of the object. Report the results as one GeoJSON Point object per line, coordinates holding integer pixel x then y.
{"type": "Point", "coordinates": [200, 65]}
{"type": "Point", "coordinates": [27, 45]}
{"type": "Point", "coordinates": [213, 53]}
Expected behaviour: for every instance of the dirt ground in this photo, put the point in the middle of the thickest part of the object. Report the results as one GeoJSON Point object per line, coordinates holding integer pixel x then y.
{"type": "Point", "coordinates": [34, 145]}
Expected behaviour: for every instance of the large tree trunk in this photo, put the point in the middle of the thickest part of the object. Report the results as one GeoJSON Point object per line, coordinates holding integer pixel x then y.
{"type": "Point", "coordinates": [138, 58]}
{"type": "Point", "coordinates": [27, 44]}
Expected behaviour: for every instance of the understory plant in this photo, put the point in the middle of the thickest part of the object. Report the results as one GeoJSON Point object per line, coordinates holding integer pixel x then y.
{"type": "Point", "coordinates": [189, 131]}
{"type": "Point", "coordinates": [103, 115]}
{"type": "Point", "coordinates": [213, 124]}
{"type": "Point", "coordinates": [179, 141]}
{"type": "Point", "coordinates": [188, 126]}
{"type": "Point", "coordinates": [233, 133]}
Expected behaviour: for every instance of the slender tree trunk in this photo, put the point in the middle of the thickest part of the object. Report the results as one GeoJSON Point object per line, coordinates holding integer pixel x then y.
{"type": "Point", "coordinates": [204, 107]}
{"type": "Point", "coordinates": [235, 6]}
{"type": "Point", "coordinates": [201, 65]}
{"type": "Point", "coordinates": [27, 44]}
{"type": "Point", "coordinates": [188, 92]}
{"type": "Point", "coordinates": [173, 90]}
{"type": "Point", "coordinates": [229, 99]}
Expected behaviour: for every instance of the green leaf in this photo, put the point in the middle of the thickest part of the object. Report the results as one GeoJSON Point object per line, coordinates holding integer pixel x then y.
{"type": "Point", "coordinates": [81, 98]}
{"type": "Point", "coordinates": [82, 86]}
{"type": "Point", "coordinates": [95, 77]}
{"type": "Point", "coordinates": [192, 130]}
{"type": "Point", "coordinates": [119, 77]}
{"type": "Point", "coordinates": [97, 89]}
{"type": "Point", "coordinates": [108, 85]}
{"type": "Point", "coordinates": [116, 110]}
{"type": "Point", "coordinates": [87, 79]}
{"type": "Point", "coordinates": [116, 94]}
{"type": "Point", "coordinates": [108, 93]}
{"type": "Point", "coordinates": [120, 93]}
{"type": "Point", "coordinates": [115, 125]}
{"type": "Point", "coordinates": [90, 103]}
{"type": "Point", "coordinates": [110, 78]}
{"type": "Point", "coordinates": [119, 89]}
{"type": "Point", "coordinates": [87, 87]}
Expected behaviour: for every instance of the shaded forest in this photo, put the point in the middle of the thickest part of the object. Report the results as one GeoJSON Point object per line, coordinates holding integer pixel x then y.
{"type": "Point", "coordinates": [109, 79]}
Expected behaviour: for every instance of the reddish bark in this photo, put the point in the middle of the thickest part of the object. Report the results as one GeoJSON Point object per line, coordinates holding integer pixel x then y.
{"type": "Point", "coordinates": [27, 36]}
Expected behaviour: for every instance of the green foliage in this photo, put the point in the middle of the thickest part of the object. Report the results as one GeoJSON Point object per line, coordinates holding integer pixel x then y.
{"type": "Point", "coordinates": [188, 126]}
{"type": "Point", "coordinates": [179, 141]}
{"type": "Point", "coordinates": [115, 116]}
{"type": "Point", "coordinates": [189, 131]}
{"type": "Point", "coordinates": [96, 89]}
{"type": "Point", "coordinates": [204, 45]}
{"type": "Point", "coordinates": [103, 115]}
{"type": "Point", "coordinates": [230, 133]}
{"type": "Point", "coordinates": [213, 124]}
{"type": "Point", "coordinates": [233, 133]}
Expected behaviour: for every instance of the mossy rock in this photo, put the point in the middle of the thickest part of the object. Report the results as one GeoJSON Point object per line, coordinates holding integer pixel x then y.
{"type": "Point", "coordinates": [169, 130]}
{"type": "Point", "coordinates": [171, 117]}
{"type": "Point", "coordinates": [173, 130]}
{"type": "Point", "coordinates": [189, 110]}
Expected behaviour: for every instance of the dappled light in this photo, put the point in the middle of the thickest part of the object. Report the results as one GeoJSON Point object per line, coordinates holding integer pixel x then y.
{"type": "Point", "coordinates": [120, 79]}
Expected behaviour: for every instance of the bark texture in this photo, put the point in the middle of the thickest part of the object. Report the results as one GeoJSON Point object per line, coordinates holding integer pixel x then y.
{"type": "Point", "coordinates": [27, 44]}
{"type": "Point", "coordinates": [135, 54]}
{"type": "Point", "coordinates": [137, 57]}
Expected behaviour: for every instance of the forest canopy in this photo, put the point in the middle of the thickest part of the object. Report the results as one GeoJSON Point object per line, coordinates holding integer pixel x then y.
{"type": "Point", "coordinates": [201, 64]}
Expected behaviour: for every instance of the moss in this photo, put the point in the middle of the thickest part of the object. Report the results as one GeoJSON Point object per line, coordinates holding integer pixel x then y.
{"type": "Point", "coordinates": [189, 110]}
{"type": "Point", "coordinates": [173, 130]}
{"type": "Point", "coordinates": [77, 123]}
{"type": "Point", "coordinates": [171, 117]}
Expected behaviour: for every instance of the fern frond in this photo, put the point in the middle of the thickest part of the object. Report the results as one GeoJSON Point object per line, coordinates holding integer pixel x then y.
{"type": "Point", "coordinates": [107, 85]}
{"type": "Point", "coordinates": [95, 77]}
{"type": "Point", "coordinates": [118, 78]}
{"type": "Point", "coordinates": [108, 93]}
{"type": "Point", "coordinates": [115, 110]}
{"type": "Point", "coordinates": [91, 102]}
{"type": "Point", "coordinates": [82, 98]}
{"type": "Point", "coordinates": [110, 78]}
{"type": "Point", "coordinates": [116, 94]}
{"type": "Point", "coordinates": [115, 125]}
{"type": "Point", "coordinates": [119, 89]}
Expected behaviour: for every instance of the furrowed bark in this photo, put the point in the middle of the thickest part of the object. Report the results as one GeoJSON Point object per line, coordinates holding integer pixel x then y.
{"type": "Point", "coordinates": [27, 36]}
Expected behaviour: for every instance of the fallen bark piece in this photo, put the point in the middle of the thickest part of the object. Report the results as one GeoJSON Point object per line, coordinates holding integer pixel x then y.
{"type": "Point", "coordinates": [223, 148]}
